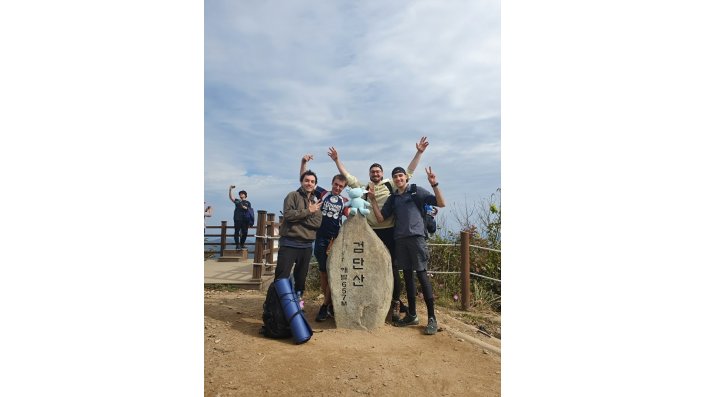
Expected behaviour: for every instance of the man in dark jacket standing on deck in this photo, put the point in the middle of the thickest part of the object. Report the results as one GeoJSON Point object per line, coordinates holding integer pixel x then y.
{"type": "Point", "coordinates": [240, 218]}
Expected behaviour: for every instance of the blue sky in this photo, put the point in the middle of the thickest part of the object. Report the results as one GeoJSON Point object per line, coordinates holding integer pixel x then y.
{"type": "Point", "coordinates": [370, 78]}
{"type": "Point", "coordinates": [103, 131]}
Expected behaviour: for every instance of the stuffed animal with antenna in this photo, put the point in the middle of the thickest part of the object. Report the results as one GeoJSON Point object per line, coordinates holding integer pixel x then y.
{"type": "Point", "coordinates": [356, 202]}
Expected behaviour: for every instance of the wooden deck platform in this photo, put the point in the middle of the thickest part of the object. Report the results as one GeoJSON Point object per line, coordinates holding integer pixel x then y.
{"type": "Point", "coordinates": [237, 273]}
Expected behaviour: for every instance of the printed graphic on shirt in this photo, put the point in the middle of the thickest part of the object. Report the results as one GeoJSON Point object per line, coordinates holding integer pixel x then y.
{"type": "Point", "coordinates": [332, 207]}
{"type": "Point", "coordinates": [332, 210]}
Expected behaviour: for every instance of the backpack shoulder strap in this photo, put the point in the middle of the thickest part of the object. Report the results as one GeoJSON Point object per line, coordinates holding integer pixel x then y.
{"type": "Point", "coordinates": [419, 205]}
{"type": "Point", "coordinates": [389, 186]}
{"type": "Point", "coordinates": [415, 197]}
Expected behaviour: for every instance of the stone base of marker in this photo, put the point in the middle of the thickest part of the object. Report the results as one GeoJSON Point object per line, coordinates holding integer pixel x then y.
{"type": "Point", "coordinates": [360, 276]}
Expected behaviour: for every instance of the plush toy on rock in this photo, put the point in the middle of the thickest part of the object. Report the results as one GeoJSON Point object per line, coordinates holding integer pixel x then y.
{"type": "Point", "coordinates": [356, 202]}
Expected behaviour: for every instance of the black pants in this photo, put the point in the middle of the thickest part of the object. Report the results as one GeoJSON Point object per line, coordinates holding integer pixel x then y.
{"type": "Point", "coordinates": [241, 232]}
{"type": "Point", "coordinates": [287, 258]}
{"type": "Point", "coordinates": [426, 288]}
{"type": "Point", "coordinates": [387, 237]}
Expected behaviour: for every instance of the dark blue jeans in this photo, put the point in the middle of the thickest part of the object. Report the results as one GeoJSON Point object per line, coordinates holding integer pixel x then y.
{"type": "Point", "coordinates": [319, 251]}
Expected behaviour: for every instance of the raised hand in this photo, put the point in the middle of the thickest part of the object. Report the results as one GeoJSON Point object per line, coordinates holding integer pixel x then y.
{"type": "Point", "coordinates": [431, 175]}
{"type": "Point", "coordinates": [422, 145]}
{"type": "Point", "coordinates": [371, 189]}
{"type": "Point", "coordinates": [332, 153]}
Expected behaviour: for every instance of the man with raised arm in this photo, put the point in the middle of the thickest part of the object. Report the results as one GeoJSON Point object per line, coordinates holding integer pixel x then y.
{"type": "Point", "coordinates": [240, 217]}
{"type": "Point", "coordinates": [332, 211]}
{"type": "Point", "coordinates": [382, 188]}
{"type": "Point", "coordinates": [410, 235]}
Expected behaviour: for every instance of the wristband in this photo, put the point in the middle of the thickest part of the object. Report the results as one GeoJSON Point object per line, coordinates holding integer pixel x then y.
{"type": "Point", "coordinates": [435, 184]}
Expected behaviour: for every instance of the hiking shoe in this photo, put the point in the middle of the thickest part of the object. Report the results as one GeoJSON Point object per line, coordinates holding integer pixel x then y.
{"type": "Point", "coordinates": [322, 313]}
{"type": "Point", "coordinates": [331, 313]}
{"type": "Point", "coordinates": [395, 311]}
{"type": "Point", "coordinates": [432, 327]}
{"type": "Point", "coordinates": [300, 296]}
{"type": "Point", "coordinates": [402, 307]}
{"type": "Point", "coordinates": [407, 320]}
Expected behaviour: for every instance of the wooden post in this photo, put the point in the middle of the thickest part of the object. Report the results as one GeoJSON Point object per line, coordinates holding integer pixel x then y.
{"type": "Point", "coordinates": [259, 241]}
{"type": "Point", "coordinates": [270, 242]}
{"type": "Point", "coordinates": [223, 235]}
{"type": "Point", "coordinates": [256, 272]}
{"type": "Point", "coordinates": [465, 270]}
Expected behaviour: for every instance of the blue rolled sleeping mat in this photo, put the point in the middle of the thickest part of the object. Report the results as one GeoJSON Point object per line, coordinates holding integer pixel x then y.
{"type": "Point", "coordinates": [289, 301]}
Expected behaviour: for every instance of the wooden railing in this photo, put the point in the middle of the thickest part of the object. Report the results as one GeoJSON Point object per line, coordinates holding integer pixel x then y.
{"type": "Point", "coordinates": [467, 262]}
{"type": "Point", "coordinates": [266, 233]}
{"type": "Point", "coordinates": [224, 234]}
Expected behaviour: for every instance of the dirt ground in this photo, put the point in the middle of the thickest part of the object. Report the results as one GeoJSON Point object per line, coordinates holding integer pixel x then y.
{"type": "Point", "coordinates": [387, 361]}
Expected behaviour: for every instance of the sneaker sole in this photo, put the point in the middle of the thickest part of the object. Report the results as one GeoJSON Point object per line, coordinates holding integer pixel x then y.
{"type": "Point", "coordinates": [404, 325]}
{"type": "Point", "coordinates": [401, 324]}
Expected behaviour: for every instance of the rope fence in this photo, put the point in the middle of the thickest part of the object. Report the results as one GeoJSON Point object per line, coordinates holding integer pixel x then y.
{"type": "Point", "coordinates": [474, 274]}
{"type": "Point", "coordinates": [445, 263]}
{"type": "Point", "coordinates": [473, 246]}
{"type": "Point", "coordinates": [469, 245]}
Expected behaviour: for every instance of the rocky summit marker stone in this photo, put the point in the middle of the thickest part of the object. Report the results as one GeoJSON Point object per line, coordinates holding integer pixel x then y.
{"type": "Point", "coordinates": [360, 276]}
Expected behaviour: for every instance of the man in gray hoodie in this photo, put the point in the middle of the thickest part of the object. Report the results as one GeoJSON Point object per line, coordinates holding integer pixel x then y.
{"type": "Point", "coordinates": [302, 217]}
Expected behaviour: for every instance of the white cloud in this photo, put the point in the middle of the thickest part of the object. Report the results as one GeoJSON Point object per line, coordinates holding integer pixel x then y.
{"type": "Point", "coordinates": [288, 78]}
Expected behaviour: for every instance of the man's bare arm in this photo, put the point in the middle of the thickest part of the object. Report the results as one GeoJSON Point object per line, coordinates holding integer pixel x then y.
{"type": "Point", "coordinates": [420, 148]}
{"type": "Point", "coordinates": [304, 160]}
{"type": "Point", "coordinates": [230, 193]}
{"type": "Point", "coordinates": [440, 201]}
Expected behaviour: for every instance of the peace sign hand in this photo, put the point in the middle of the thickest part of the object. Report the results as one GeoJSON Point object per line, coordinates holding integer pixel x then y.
{"type": "Point", "coordinates": [431, 176]}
